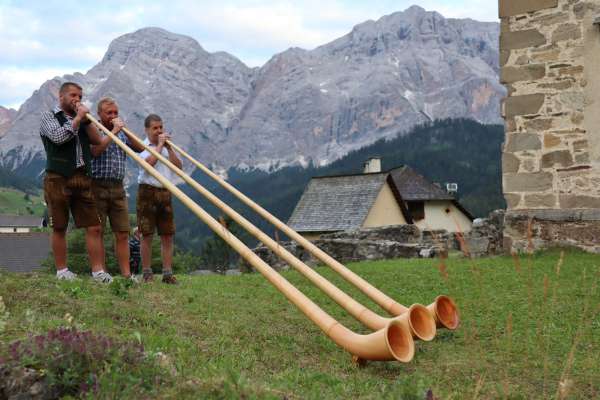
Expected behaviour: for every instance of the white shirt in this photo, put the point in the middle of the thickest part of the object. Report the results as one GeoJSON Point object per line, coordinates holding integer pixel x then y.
{"type": "Point", "coordinates": [161, 168]}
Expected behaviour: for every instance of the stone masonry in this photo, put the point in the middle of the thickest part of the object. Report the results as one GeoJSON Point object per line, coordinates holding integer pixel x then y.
{"type": "Point", "coordinates": [382, 243]}
{"type": "Point", "coordinates": [550, 65]}
{"type": "Point", "coordinates": [395, 241]}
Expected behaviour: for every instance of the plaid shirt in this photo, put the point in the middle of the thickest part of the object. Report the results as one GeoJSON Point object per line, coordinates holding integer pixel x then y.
{"type": "Point", "coordinates": [111, 163]}
{"type": "Point", "coordinates": [50, 128]}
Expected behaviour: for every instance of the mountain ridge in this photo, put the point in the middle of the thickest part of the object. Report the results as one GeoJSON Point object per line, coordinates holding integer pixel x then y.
{"type": "Point", "coordinates": [7, 115]}
{"type": "Point", "coordinates": [377, 81]}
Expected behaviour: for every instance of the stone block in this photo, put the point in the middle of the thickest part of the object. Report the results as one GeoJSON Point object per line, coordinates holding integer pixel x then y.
{"type": "Point", "coordinates": [538, 124]}
{"type": "Point", "coordinates": [562, 158]}
{"type": "Point", "coordinates": [512, 200]}
{"type": "Point", "coordinates": [523, 105]}
{"type": "Point", "coordinates": [509, 8]}
{"type": "Point", "coordinates": [540, 200]}
{"type": "Point", "coordinates": [578, 201]}
{"type": "Point", "coordinates": [477, 246]}
{"type": "Point", "coordinates": [528, 182]}
{"type": "Point", "coordinates": [551, 19]}
{"type": "Point", "coordinates": [526, 73]}
{"type": "Point", "coordinates": [560, 85]}
{"type": "Point", "coordinates": [551, 141]}
{"type": "Point", "coordinates": [521, 39]}
{"type": "Point", "coordinates": [566, 32]}
{"type": "Point", "coordinates": [581, 8]}
{"type": "Point", "coordinates": [583, 158]}
{"type": "Point", "coordinates": [510, 163]}
{"type": "Point", "coordinates": [546, 55]}
{"type": "Point", "coordinates": [572, 101]}
{"type": "Point", "coordinates": [571, 71]}
{"type": "Point", "coordinates": [530, 165]}
{"type": "Point", "coordinates": [522, 142]}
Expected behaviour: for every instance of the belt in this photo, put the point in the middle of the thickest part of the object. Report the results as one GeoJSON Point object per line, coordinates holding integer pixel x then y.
{"type": "Point", "coordinates": [152, 187]}
{"type": "Point", "coordinates": [108, 181]}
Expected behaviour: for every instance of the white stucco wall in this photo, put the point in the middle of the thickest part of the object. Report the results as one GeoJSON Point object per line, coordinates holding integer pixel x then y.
{"type": "Point", "coordinates": [385, 210]}
{"type": "Point", "coordinates": [9, 229]}
{"type": "Point", "coordinates": [436, 217]}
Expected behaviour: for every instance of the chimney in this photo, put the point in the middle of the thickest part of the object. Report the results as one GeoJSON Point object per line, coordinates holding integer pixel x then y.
{"type": "Point", "coordinates": [372, 165]}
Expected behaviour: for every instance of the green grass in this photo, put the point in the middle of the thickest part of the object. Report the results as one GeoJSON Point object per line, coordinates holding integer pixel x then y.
{"type": "Point", "coordinates": [528, 328]}
{"type": "Point", "coordinates": [14, 202]}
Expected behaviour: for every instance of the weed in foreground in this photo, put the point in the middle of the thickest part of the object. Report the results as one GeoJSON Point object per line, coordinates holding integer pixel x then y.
{"type": "Point", "coordinates": [82, 363]}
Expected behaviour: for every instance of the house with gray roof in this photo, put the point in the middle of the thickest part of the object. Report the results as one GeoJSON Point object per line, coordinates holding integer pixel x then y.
{"type": "Point", "coordinates": [23, 252]}
{"type": "Point", "coordinates": [376, 199]}
{"type": "Point", "coordinates": [19, 223]}
{"type": "Point", "coordinates": [429, 206]}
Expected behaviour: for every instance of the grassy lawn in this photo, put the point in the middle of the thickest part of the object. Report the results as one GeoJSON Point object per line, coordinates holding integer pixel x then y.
{"type": "Point", "coordinates": [13, 202]}
{"type": "Point", "coordinates": [530, 329]}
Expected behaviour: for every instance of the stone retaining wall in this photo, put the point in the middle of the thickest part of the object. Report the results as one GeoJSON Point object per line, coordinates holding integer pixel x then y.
{"type": "Point", "coordinates": [398, 241]}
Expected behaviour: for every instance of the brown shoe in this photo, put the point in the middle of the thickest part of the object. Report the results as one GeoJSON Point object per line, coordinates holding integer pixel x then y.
{"type": "Point", "coordinates": [148, 277]}
{"type": "Point", "coordinates": [170, 279]}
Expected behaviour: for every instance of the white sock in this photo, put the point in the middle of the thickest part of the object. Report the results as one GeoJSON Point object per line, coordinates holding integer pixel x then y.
{"type": "Point", "coordinates": [61, 271]}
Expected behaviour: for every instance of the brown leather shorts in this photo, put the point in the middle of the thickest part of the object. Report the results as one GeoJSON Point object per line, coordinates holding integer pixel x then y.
{"type": "Point", "coordinates": [74, 193]}
{"type": "Point", "coordinates": [111, 202]}
{"type": "Point", "coordinates": [154, 210]}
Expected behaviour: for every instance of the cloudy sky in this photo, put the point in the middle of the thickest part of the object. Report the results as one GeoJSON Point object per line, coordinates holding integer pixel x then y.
{"type": "Point", "coordinates": [43, 39]}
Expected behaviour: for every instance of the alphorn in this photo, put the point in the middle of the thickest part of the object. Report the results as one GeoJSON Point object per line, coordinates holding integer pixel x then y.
{"type": "Point", "coordinates": [443, 309]}
{"type": "Point", "coordinates": [421, 324]}
{"type": "Point", "coordinates": [393, 342]}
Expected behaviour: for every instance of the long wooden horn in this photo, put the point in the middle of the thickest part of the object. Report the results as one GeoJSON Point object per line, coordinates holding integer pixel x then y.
{"type": "Point", "coordinates": [443, 309]}
{"type": "Point", "coordinates": [421, 324]}
{"type": "Point", "coordinates": [393, 342]}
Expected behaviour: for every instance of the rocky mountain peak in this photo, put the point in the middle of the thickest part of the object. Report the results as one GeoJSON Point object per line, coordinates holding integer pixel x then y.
{"type": "Point", "coordinates": [7, 115]}
{"type": "Point", "coordinates": [155, 43]}
{"type": "Point", "coordinates": [378, 81]}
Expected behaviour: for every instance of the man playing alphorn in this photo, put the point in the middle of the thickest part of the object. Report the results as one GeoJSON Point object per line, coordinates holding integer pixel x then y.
{"type": "Point", "coordinates": [108, 172]}
{"type": "Point", "coordinates": [66, 135]}
{"type": "Point", "coordinates": [154, 205]}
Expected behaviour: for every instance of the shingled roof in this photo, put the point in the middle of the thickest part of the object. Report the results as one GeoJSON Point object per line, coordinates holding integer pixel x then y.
{"type": "Point", "coordinates": [415, 187]}
{"type": "Point", "coordinates": [335, 203]}
{"type": "Point", "coordinates": [23, 252]}
{"type": "Point", "coordinates": [23, 221]}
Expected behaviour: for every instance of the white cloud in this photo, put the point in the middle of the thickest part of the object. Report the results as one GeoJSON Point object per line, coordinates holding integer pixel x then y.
{"type": "Point", "coordinates": [50, 37]}
{"type": "Point", "coordinates": [17, 84]}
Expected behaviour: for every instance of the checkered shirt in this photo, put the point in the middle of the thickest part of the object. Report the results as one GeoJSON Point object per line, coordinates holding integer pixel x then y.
{"type": "Point", "coordinates": [111, 163]}
{"type": "Point", "coordinates": [50, 128]}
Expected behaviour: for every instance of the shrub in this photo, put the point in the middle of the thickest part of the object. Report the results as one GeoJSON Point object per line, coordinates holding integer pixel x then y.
{"type": "Point", "coordinates": [81, 363]}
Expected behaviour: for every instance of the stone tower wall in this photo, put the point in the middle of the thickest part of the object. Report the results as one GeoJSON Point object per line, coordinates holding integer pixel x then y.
{"type": "Point", "coordinates": [550, 65]}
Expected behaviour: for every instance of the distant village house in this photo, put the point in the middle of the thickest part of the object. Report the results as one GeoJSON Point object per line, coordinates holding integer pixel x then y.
{"type": "Point", "coordinates": [22, 250]}
{"type": "Point", "coordinates": [20, 223]}
{"type": "Point", "coordinates": [376, 199]}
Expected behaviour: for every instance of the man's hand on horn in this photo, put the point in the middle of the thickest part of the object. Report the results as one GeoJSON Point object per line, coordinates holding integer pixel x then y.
{"type": "Point", "coordinates": [118, 124]}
